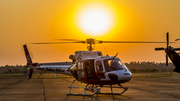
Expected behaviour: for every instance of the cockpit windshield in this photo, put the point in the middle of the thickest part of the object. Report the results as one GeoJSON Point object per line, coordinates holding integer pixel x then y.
{"type": "Point", "coordinates": [113, 64]}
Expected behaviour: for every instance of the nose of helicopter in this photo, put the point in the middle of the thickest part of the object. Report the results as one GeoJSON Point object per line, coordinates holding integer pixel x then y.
{"type": "Point", "coordinates": [121, 76]}
{"type": "Point", "coordinates": [126, 76]}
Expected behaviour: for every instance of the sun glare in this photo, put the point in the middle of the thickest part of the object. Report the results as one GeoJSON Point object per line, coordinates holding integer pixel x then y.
{"type": "Point", "coordinates": [101, 19]}
{"type": "Point", "coordinates": [95, 20]}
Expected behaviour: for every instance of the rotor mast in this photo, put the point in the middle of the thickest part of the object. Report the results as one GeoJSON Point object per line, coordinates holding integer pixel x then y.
{"type": "Point", "coordinates": [89, 44]}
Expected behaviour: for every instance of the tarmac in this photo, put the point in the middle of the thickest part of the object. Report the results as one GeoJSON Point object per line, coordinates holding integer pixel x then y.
{"type": "Point", "coordinates": [142, 87]}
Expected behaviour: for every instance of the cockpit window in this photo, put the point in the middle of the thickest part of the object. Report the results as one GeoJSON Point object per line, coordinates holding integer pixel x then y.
{"type": "Point", "coordinates": [119, 61]}
{"type": "Point", "coordinates": [99, 67]}
{"type": "Point", "coordinates": [113, 64]}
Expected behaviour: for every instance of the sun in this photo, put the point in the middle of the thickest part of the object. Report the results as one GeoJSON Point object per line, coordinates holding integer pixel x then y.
{"type": "Point", "coordinates": [95, 20]}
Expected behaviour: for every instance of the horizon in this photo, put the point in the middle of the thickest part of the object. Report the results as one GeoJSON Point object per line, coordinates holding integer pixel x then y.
{"type": "Point", "coordinates": [123, 62]}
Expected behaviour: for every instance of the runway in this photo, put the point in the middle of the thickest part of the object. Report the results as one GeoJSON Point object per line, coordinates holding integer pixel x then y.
{"type": "Point", "coordinates": [142, 87]}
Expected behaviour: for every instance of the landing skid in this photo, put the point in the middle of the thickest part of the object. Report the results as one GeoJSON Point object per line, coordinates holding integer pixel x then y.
{"type": "Point", "coordinates": [125, 89]}
{"type": "Point", "coordinates": [85, 89]}
{"type": "Point", "coordinates": [95, 90]}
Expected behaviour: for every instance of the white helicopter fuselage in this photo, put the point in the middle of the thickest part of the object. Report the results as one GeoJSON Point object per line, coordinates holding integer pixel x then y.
{"type": "Point", "coordinates": [93, 68]}
{"type": "Point", "coordinates": [88, 66]}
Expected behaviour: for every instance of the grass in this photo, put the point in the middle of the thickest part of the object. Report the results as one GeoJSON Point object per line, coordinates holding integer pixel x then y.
{"type": "Point", "coordinates": [11, 75]}
{"type": "Point", "coordinates": [160, 74]}
{"type": "Point", "coordinates": [138, 76]}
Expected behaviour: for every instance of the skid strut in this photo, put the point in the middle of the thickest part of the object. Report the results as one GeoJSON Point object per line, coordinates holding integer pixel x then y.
{"type": "Point", "coordinates": [125, 89]}
{"type": "Point", "coordinates": [85, 88]}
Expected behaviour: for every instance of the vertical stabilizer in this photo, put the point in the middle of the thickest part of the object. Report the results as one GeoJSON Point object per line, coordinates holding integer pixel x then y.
{"type": "Point", "coordinates": [28, 57]}
{"type": "Point", "coordinates": [29, 61]}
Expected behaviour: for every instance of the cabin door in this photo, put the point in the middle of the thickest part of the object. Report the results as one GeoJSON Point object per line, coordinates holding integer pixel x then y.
{"type": "Point", "coordinates": [99, 70]}
{"type": "Point", "coordinates": [89, 69]}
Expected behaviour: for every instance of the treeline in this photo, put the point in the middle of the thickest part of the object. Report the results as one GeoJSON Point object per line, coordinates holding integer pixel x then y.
{"type": "Point", "coordinates": [13, 66]}
{"type": "Point", "coordinates": [149, 66]}
{"type": "Point", "coordinates": [8, 69]}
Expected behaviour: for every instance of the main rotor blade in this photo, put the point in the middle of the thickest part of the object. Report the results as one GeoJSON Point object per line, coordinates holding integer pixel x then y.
{"type": "Point", "coordinates": [59, 42]}
{"type": "Point", "coordinates": [177, 49]}
{"type": "Point", "coordinates": [167, 36]}
{"type": "Point", "coordinates": [68, 39]}
{"type": "Point", "coordinates": [166, 60]}
{"type": "Point", "coordinates": [177, 39]}
{"type": "Point", "coordinates": [159, 48]}
{"type": "Point", "coordinates": [131, 42]}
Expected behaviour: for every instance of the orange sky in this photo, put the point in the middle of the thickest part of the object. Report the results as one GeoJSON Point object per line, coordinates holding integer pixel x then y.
{"type": "Point", "coordinates": [26, 21]}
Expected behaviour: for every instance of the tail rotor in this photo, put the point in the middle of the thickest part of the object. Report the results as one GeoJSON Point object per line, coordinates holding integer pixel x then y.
{"type": "Point", "coordinates": [167, 37]}
{"type": "Point", "coordinates": [166, 49]}
{"type": "Point", "coordinates": [166, 59]}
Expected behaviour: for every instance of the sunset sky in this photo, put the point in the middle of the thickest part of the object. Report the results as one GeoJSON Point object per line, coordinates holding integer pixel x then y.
{"type": "Point", "coordinates": [35, 21]}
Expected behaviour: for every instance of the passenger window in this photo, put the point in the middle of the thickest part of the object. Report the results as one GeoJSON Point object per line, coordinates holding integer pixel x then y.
{"type": "Point", "coordinates": [80, 65]}
{"type": "Point", "coordinates": [99, 67]}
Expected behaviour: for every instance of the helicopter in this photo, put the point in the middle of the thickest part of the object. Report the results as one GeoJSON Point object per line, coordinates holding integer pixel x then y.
{"type": "Point", "coordinates": [172, 54]}
{"type": "Point", "coordinates": [89, 67]}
